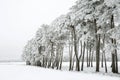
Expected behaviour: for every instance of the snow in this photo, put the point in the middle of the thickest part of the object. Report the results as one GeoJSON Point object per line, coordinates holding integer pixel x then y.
{"type": "Point", "coordinates": [19, 71]}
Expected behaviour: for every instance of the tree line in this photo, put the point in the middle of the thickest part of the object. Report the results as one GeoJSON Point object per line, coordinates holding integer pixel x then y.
{"type": "Point", "coordinates": [90, 29]}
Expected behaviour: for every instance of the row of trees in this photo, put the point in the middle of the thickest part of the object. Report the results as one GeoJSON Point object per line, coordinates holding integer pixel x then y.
{"type": "Point", "coordinates": [89, 30]}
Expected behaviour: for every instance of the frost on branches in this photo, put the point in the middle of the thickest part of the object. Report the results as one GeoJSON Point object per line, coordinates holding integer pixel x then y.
{"type": "Point", "coordinates": [90, 31]}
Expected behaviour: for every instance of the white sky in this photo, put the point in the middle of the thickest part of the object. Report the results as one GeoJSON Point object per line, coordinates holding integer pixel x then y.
{"type": "Point", "coordinates": [19, 20]}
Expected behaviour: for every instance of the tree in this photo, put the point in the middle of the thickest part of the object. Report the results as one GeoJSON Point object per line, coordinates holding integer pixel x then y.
{"type": "Point", "coordinates": [31, 54]}
{"type": "Point", "coordinates": [109, 10]}
{"type": "Point", "coordinates": [85, 9]}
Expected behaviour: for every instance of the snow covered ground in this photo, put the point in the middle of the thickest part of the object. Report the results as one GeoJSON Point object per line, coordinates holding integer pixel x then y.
{"type": "Point", "coordinates": [19, 71]}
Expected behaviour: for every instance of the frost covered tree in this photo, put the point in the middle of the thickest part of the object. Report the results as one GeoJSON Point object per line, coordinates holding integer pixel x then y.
{"type": "Point", "coordinates": [85, 10]}
{"type": "Point", "coordinates": [97, 12]}
{"type": "Point", "coordinates": [30, 53]}
{"type": "Point", "coordinates": [108, 12]}
{"type": "Point", "coordinates": [89, 29]}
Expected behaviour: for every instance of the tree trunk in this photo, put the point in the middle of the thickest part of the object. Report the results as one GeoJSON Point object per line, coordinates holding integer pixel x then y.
{"type": "Point", "coordinates": [61, 59]}
{"type": "Point", "coordinates": [116, 59]}
{"type": "Point", "coordinates": [87, 55]}
{"type": "Point", "coordinates": [73, 62]}
{"type": "Point", "coordinates": [97, 47]}
{"type": "Point", "coordinates": [43, 61]}
{"type": "Point", "coordinates": [104, 56]}
{"type": "Point", "coordinates": [70, 59]}
{"type": "Point", "coordinates": [113, 63]}
{"type": "Point", "coordinates": [92, 59]}
{"type": "Point", "coordinates": [75, 49]}
{"type": "Point", "coordinates": [49, 63]}
{"type": "Point", "coordinates": [105, 62]}
{"type": "Point", "coordinates": [70, 52]}
{"type": "Point", "coordinates": [57, 56]}
{"type": "Point", "coordinates": [83, 57]}
{"type": "Point", "coordinates": [46, 62]}
{"type": "Point", "coordinates": [102, 60]}
{"type": "Point", "coordinates": [81, 52]}
{"type": "Point", "coordinates": [113, 41]}
{"type": "Point", "coordinates": [52, 56]}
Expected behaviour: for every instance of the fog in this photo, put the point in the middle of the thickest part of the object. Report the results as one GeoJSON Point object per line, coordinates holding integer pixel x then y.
{"type": "Point", "coordinates": [19, 20]}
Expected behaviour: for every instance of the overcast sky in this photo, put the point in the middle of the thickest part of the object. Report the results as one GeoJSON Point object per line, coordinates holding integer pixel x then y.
{"type": "Point", "coordinates": [19, 20]}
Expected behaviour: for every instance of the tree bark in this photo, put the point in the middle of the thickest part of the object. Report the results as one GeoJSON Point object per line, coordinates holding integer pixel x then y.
{"type": "Point", "coordinates": [83, 57]}
{"type": "Point", "coordinates": [102, 60]}
{"type": "Point", "coordinates": [70, 52]}
{"type": "Point", "coordinates": [81, 52]}
{"type": "Point", "coordinates": [116, 59]}
{"type": "Point", "coordinates": [105, 62]}
{"type": "Point", "coordinates": [75, 49]}
{"type": "Point", "coordinates": [52, 56]}
{"type": "Point", "coordinates": [43, 62]}
{"type": "Point", "coordinates": [57, 56]}
{"type": "Point", "coordinates": [61, 59]}
{"type": "Point", "coordinates": [92, 59]}
{"type": "Point", "coordinates": [113, 41]}
{"type": "Point", "coordinates": [87, 54]}
{"type": "Point", "coordinates": [97, 47]}
{"type": "Point", "coordinates": [104, 56]}
{"type": "Point", "coordinates": [73, 62]}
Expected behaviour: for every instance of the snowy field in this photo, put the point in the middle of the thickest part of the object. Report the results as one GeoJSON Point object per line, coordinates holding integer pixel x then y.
{"type": "Point", "coordinates": [19, 71]}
